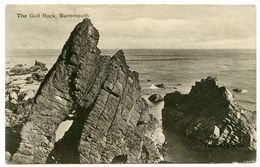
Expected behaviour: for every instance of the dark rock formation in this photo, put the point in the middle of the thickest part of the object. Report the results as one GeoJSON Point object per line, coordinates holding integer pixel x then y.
{"type": "Point", "coordinates": [29, 82]}
{"type": "Point", "coordinates": [237, 90]}
{"type": "Point", "coordinates": [120, 159]}
{"type": "Point", "coordinates": [102, 97]}
{"type": "Point", "coordinates": [160, 86]}
{"type": "Point", "coordinates": [38, 76]}
{"type": "Point", "coordinates": [18, 69]}
{"type": "Point", "coordinates": [7, 81]}
{"type": "Point", "coordinates": [210, 117]}
{"type": "Point", "coordinates": [18, 103]}
{"type": "Point", "coordinates": [11, 97]}
{"type": "Point", "coordinates": [155, 98]}
{"type": "Point", "coordinates": [240, 90]}
{"type": "Point", "coordinates": [21, 69]}
{"type": "Point", "coordinates": [38, 66]}
{"type": "Point", "coordinates": [15, 97]}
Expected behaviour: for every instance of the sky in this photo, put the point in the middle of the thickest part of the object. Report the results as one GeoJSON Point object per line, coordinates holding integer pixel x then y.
{"type": "Point", "coordinates": [137, 26]}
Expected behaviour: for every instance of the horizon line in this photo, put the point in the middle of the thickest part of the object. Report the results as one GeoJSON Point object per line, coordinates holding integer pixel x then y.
{"type": "Point", "coordinates": [140, 49]}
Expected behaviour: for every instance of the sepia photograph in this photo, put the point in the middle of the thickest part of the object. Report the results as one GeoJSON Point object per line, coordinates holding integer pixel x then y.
{"type": "Point", "coordinates": [130, 84]}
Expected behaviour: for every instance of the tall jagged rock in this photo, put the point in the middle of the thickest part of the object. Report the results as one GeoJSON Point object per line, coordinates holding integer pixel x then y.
{"type": "Point", "coordinates": [111, 122]}
{"type": "Point", "coordinates": [210, 117]}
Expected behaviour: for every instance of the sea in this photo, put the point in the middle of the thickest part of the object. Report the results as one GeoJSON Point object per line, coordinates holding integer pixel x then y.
{"type": "Point", "coordinates": [178, 70]}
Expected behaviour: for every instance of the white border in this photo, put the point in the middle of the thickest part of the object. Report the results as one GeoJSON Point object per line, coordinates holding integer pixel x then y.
{"type": "Point", "coordinates": [179, 2]}
{"type": "Point", "coordinates": [131, 2]}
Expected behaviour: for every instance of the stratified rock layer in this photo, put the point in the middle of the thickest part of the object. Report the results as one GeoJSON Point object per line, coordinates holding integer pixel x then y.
{"type": "Point", "coordinates": [102, 96]}
{"type": "Point", "coordinates": [210, 117]}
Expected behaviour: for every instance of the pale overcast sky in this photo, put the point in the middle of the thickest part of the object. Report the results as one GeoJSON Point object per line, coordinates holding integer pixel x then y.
{"type": "Point", "coordinates": [134, 27]}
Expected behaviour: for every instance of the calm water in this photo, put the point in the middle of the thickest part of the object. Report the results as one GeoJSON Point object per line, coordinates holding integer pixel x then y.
{"type": "Point", "coordinates": [233, 68]}
{"type": "Point", "coordinates": [179, 69]}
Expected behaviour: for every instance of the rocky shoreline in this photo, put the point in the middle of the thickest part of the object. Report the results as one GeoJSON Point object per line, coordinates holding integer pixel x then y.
{"type": "Point", "coordinates": [110, 120]}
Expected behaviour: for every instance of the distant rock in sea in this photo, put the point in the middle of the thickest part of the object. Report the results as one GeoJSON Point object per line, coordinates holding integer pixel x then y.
{"type": "Point", "coordinates": [240, 90]}
{"type": "Point", "coordinates": [110, 121]}
{"type": "Point", "coordinates": [157, 86]}
{"type": "Point", "coordinates": [160, 86]}
{"type": "Point", "coordinates": [21, 69]}
{"type": "Point", "coordinates": [210, 117]}
{"type": "Point", "coordinates": [18, 69]}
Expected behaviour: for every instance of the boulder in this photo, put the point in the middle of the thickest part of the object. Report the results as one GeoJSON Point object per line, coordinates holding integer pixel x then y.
{"type": "Point", "coordinates": [7, 81]}
{"type": "Point", "coordinates": [240, 90]}
{"type": "Point", "coordinates": [18, 70]}
{"type": "Point", "coordinates": [38, 66]}
{"type": "Point", "coordinates": [26, 95]}
{"type": "Point", "coordinates": [210, 114]}
{"type": "Point", "coordinates": [21, 69]}
{"type": "Point", "coordinates": [29, 82]}
{"type": "Point", "coordinates": [155, 98]}
{"type": "Point", "coordinates": [12, 119]}
{"type": "Point", "coordinates": [102, 97]}
{"type": "Point", "coordinates": [28, 78]}
{"type": "Point", "coordinates": [16, 99]}
{"type": "Point", "coordinates": [216, 132]}
{"type": "Point", "coordinates": [11, 97]}
{"type": "Point", "coordinates": [160, 86]}
{"type": "Point", "coordinates": [38, 76]}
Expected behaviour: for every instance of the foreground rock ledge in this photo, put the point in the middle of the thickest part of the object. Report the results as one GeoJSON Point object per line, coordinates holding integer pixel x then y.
{"type": "Point", "coordinates": [111, 122]}
{"type": "Point", "coordinates": [210, 118]}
